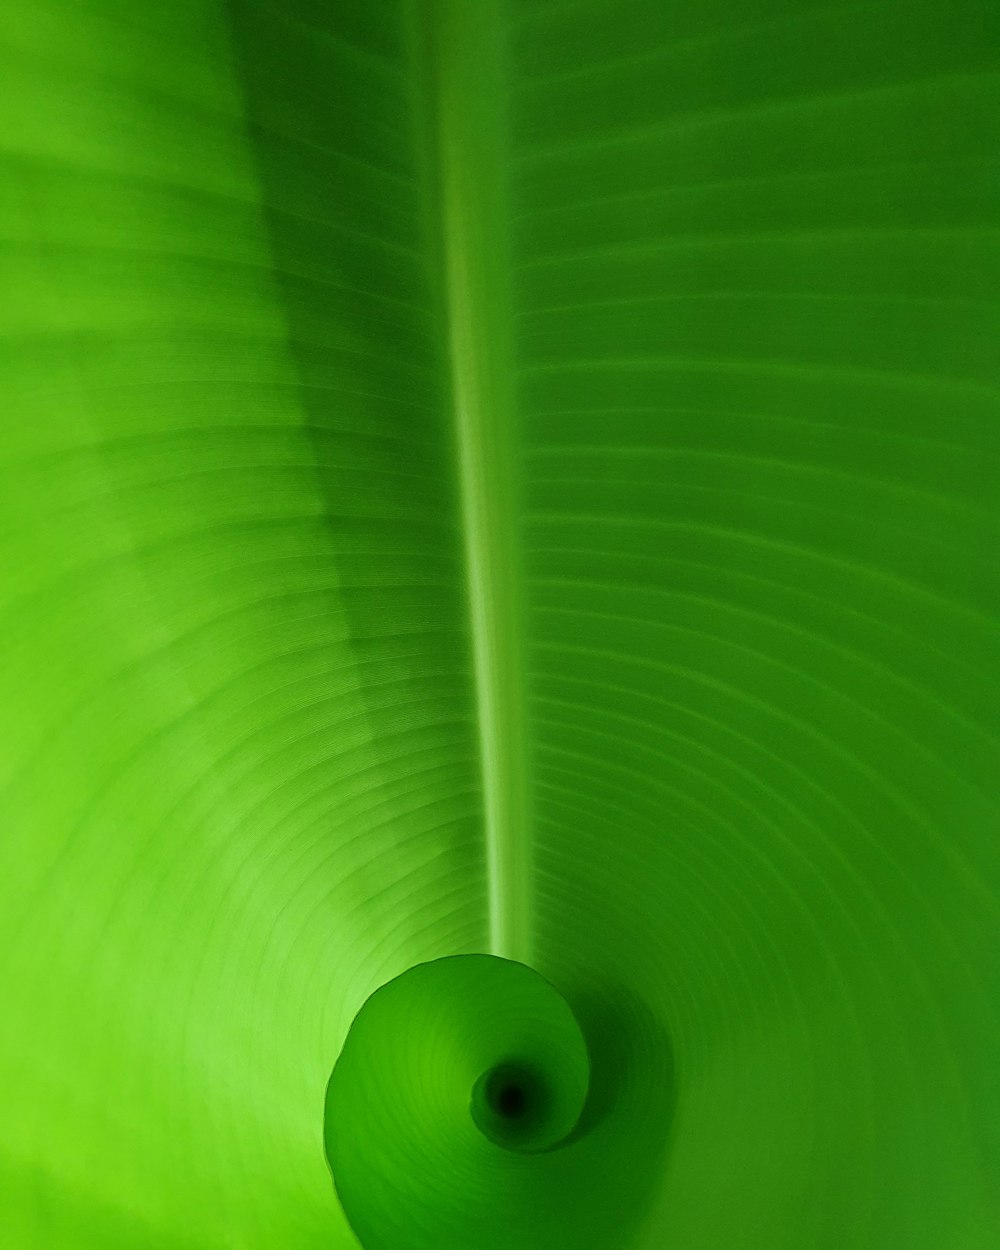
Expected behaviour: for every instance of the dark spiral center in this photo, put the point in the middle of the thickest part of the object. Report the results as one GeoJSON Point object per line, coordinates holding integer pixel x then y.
{"type": "Point", "coordinates": [510, 1100]}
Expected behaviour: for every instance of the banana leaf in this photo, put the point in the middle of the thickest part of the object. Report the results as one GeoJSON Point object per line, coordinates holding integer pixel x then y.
{"type": "Point", "coordinates": [514, 478]}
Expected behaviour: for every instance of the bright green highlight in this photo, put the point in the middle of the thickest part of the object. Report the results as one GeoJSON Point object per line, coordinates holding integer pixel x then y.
{"type": "Point", "coordinates": [516, 478]}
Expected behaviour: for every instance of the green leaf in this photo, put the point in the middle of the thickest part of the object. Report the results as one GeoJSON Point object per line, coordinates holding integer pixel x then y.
{"type": "Point", "coordinates": [514, 477]}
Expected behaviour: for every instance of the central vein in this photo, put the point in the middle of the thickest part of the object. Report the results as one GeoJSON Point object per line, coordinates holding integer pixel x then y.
{"type": "Point", "coordinates": [471, 147]}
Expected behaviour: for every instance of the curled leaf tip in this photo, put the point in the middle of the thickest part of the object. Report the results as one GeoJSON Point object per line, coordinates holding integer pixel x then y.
{"type": "Point", "coordinates": [452, 1075]}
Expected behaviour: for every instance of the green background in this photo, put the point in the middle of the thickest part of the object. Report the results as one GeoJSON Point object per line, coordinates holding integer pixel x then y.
{"type": "Point", "coordinates": [514, 476]}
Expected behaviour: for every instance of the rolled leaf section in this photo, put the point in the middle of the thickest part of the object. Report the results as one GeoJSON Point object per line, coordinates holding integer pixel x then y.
{"type": "Point", "coordinates": [452, 1077]}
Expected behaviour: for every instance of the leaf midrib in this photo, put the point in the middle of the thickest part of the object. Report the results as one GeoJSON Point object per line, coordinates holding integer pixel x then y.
{"type": "Point", "coordinates": [465, 54]}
